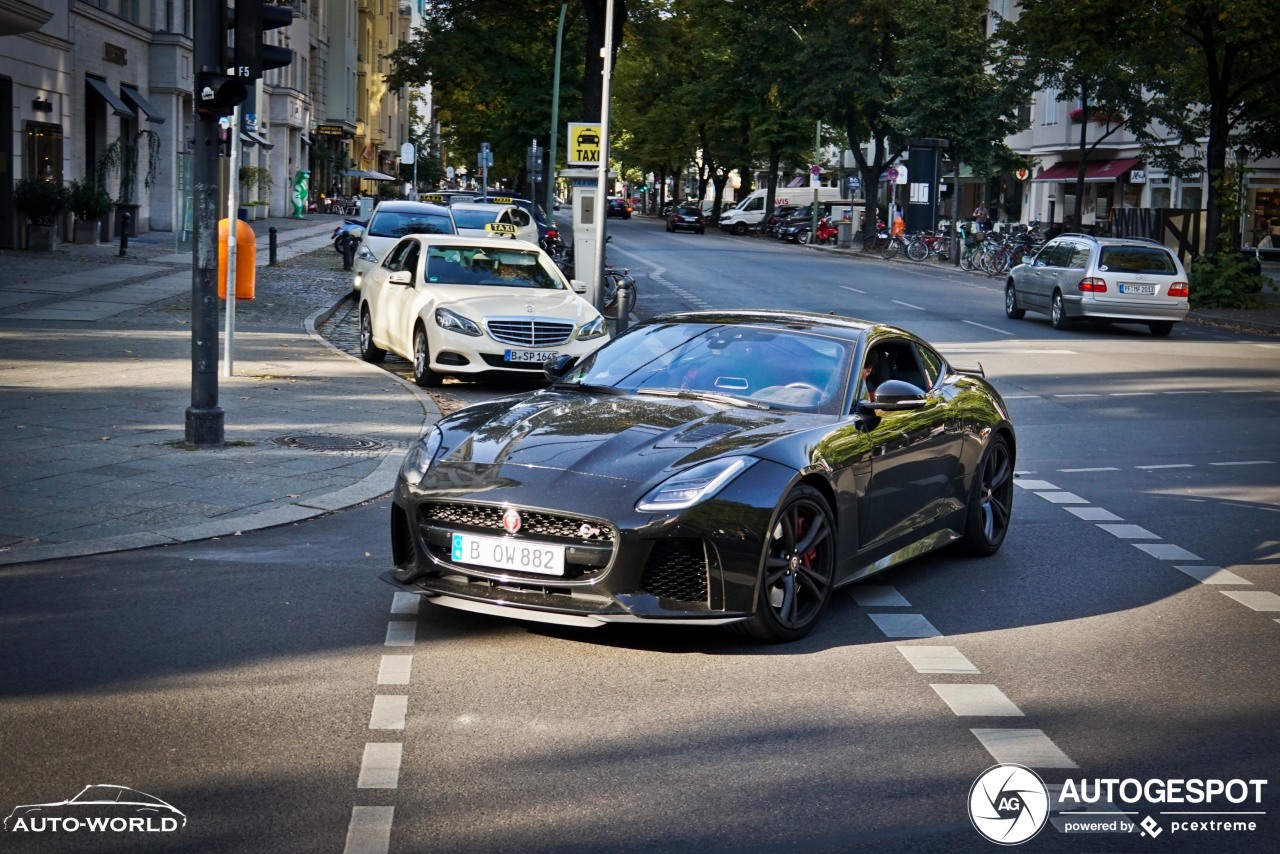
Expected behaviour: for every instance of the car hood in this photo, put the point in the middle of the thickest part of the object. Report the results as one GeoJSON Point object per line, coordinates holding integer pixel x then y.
{"type": "Point", "coordinates": [627, 438]}
{"type": "Point", "coordinates": [477, 301]}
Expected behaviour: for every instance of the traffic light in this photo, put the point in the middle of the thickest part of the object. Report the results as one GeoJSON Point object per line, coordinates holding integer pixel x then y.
{"type": "Point", "coordinates": [251, 19]}
{"type": "Point", "coordinates": [218, 94]}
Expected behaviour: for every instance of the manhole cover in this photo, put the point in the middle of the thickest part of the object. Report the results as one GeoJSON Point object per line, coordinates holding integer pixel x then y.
{"type": "Point", "coordinates": [328, 443]}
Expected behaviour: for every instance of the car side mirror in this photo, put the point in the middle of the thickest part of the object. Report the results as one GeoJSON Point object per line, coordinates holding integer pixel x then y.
{"type": "Point", "coordinates": [556, 368]}
{"type": "Point", "coordinates": [1028, 259]}
{"type": "Point", "coordinates": [895, 396]}
{"type": "Point", "coordinates": [579, 286]}
{"type": "Point", "coordinates": [401, 277]}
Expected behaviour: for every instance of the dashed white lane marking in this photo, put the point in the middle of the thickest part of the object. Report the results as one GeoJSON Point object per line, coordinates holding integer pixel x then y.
{"type": "Point", "coordinates": [395, 670]}
{"type": "Point", "coordinates": [977, 701]}
{"type": "Point", "coordinates": [988, 328]}
{"type": "Point", "coordinates": [855, 290]}
{"type": "Point", "coordinates": [1034, 484]}
{"type": "Point", "coordinates": [1129, 532]}
{"type": "Point", "coordinates": [905, 625]}
{"type": "Point", "coordinates": [380, 767]}
{"type": "Point", "coordinates": [401, 633]}
{"type": "Point", "coordinates": [908, 305]}
{"type": "Point", "coordinates": [1080, 394]}
{"type": "Point", "coordinates": [937, 659]}
{"type": "Point", "coordinates": [1166, 466]}
{"type": "Point", "coordinates": [1093, 514]}
{"type": "Point", "coordinates": [389, 711]}
{"type": "Point", "coordinates": [872, 596]}
{"type": "Point", "coordinates": [1189, 391]}
{"type": "Point", "coordinates": [1213, 575]}
{"type": "Point", "coordinates": [1132, 394]}
{"type": "Point", "coordinates": [1062, 498]}
{"type": "Point", "coordinates": [405, 603]}
{"type": "Point", "coordinates": [370, 830]}
{"type": "Point", "coordinates": [1030, 747]}
{"type": "Point", "coordinates": [1246, 463]}
{"type": "Point", "coordinates": [1095, 468]}
{"type": "Point", "coordinates": [1258, 600]}
{"type": "Point", "coordinates": [1166, 551]}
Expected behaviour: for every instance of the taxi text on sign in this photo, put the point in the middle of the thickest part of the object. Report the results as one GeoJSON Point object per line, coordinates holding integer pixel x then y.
{"type": "Point", "coordinates": [584, 144]}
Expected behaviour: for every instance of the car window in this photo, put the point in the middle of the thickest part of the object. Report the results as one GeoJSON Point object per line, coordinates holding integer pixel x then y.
{"type": "Point", "coordinates": [400, 223]}
{"type": "Point", "coordinates": [931, 363]}
{"type": "Point", "coordinates": [402, 257]}
{"type": "Point", "coordinates": [489, 266]}
{"type": "Point", "coordinates": [1137, 259]}
{"type": "Point", "coordinates": [1054, 254]}
{"type": "Point", "coordinates": [1079, 258]}
{"type": "Point", "coordinates": [474, 218]}
{"type": "Point", "coordinates": [519, 217]}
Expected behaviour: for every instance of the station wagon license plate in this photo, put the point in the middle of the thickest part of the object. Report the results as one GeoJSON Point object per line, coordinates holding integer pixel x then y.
{"type": "Point", "coordinates": [505, 553]}
{"type": "Point", "coordinates": [524, 356]}
{"type": "Point", "coordinates": [1142, 290]}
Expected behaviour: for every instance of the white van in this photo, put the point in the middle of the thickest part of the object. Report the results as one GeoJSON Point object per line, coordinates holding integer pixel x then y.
{"type": "Point", "coordinates": [749, 213]}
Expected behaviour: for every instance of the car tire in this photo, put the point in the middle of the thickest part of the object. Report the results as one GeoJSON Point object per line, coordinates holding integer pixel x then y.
{"type": "Point", "coordinates": [669, 228]}
{"type": "Point", "coordinates": [799, 569]}
{"type": "Point", "coordinates": [802, 236]}
{"type": "Point", "coordinates": [369, 351]}
{"type": "Point", "coordinates": [1160, 328]}
{"type": "Point", "coordinates": [1011, 308]}
{"type": "Point", "coordinates": [422, 373]}
{"type": "Point", "coordinates": [702, 231]}
{"type": "Point", "coordinates": [990, 504]}
{"type": "Point", "coordinates": [1058, 313]}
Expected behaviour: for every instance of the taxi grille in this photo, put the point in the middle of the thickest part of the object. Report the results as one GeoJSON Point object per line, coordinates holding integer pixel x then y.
{"type": "Point", "coordinates": [677, 569]}
{"type": "Point", "coordinates": [530, 333]}
{"type": "Point", "coordinates": [483, 517]}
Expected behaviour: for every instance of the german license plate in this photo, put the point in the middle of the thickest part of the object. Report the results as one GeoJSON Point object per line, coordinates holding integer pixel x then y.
{"type": "Point", "coordinates": [1144, 290]}
{"type": "Point", "coordinates": [524, 356]}
{"type": "Point", "coordinates": [505, 553]}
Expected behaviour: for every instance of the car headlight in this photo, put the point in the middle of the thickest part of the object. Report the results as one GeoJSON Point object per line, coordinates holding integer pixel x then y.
{"type": "Point", "coordinates": [455, 322]}
{"type": "Point", "coordinates": [364, 253]}
{"type": "Point", "coordinates": [592, 330]}
{"type": "Point", "coordinates": [695, 485]}
{"type": "Point", "coordinates": [421, 455]}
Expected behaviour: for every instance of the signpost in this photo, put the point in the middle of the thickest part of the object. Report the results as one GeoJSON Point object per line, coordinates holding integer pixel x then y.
{"type": "Point", "coordinates": [410, 153]}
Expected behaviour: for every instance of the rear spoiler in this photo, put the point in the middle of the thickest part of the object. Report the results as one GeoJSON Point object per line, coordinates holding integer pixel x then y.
{"type": "Point", "coordinates": [976, 371]}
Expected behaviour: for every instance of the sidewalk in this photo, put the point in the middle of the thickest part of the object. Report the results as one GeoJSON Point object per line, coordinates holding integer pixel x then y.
{"type": "Point", "coordinates": [95, 379]}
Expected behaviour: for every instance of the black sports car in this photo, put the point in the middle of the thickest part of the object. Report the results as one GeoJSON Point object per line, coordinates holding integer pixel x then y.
{"type": "Point", "coordinates": [729, 467]}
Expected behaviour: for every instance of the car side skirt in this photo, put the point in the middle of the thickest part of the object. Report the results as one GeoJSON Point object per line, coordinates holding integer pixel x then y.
{"type": "Point", "coordinates": [928, 543]}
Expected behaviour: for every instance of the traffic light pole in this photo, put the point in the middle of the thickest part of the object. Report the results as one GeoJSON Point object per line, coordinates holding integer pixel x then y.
{"type": "Point", "coordinates": [204, 418]}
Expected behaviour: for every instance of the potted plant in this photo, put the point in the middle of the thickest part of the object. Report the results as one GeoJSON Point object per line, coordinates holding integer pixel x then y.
{"type": "Point", "coordinates": [121, 157]}
{"type": "Point", "coordinates": [41, 202]}
{"type": "Point", "coordinates": [89, 202]}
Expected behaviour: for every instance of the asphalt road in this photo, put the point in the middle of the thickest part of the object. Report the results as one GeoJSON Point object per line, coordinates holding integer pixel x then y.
{"type": "Point", "coordinates": [274, 691]}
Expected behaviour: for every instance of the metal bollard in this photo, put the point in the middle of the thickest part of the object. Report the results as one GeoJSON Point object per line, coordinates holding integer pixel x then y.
{"type": "Point", "coordinates": [621, 298]}
{"type": "Point", "coordinates": [271, 246]}
{"type": "Point", "coordinates": [348, 253]}
{"type": "Point", "coordinates": [125, 219]}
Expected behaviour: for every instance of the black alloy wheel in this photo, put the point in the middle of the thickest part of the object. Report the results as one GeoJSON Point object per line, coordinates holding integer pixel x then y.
{"type": "Point", "coordinates": [799, 569]}
{"type": "Point", "coordinates": [990, 501]}
{"type": "Point", "coordinates": [369, 351]}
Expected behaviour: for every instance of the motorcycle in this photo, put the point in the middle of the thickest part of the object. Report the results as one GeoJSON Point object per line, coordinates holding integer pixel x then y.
{"type": "Point", "coordinates": [828, 233]}
{"type": "Point", "coordinates": [350, 230]}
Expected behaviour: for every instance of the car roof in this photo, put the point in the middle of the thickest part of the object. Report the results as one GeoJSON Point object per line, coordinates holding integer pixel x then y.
{"type": "Point", "coordinates": [838, 326]}
{"type": "Point", "coordinates": [400, 206]}
{"type": "Point", "coordinates": [472, 240]}
{"type": "Point", "coordinates": [480, 206]}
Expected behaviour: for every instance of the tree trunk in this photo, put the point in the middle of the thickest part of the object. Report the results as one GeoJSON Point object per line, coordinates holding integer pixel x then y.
{"type": "Point", "coordinates": [593, 69]}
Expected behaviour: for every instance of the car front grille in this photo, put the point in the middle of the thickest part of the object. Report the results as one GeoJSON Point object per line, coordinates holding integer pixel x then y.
{"type": "Point", "coordinates": [530, 332]}
{"type": "Point", "coordinates": [677, 569]}
{"type": "Point", "coordinates": [483, 517]}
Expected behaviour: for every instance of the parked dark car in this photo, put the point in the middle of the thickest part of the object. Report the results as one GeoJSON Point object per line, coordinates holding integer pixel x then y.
{"type": "Point", "coordinates": [775, 218]}
{"type": "Point", "coordinates": [687, 218]}
{"type": "Point", "coordinates": [619, 207]}
{"type": "Point", "coordinates": [711, 468]}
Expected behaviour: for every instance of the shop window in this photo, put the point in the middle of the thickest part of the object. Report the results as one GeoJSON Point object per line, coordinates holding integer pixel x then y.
{"type": "Point", "coordinates": [1192, 197]}
{"type": "Point", "coordinates": [42, 152]}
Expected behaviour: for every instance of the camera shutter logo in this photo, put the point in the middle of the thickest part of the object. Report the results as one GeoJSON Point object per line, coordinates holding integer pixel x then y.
{"type": "Point", "coordinates": [1008, 804]}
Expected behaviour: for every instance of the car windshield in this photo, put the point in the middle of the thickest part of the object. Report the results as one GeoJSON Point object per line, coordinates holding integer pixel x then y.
{"type": "Point", "coordinates": [1137, 259]}
{"type": "Point", "coordinates": [490, 266]}
{"type": "Point", "coordinates": [690, 210]}
{"type": "Point", "coordinates": [783, 369]}
{"type": "Point", "coordinates": [399, 223]}
{"type": "Point", "coordinates": [475, 218]}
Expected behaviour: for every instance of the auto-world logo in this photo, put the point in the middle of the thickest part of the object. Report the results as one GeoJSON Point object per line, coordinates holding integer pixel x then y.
{"type": "Point", "coordinates": [98, 809]}
{"type": "Point", "coordinates": [1008, 804]}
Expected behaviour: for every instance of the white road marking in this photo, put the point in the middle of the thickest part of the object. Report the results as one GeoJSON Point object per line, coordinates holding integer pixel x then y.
{"type": "Point", "coordinates": [1062, 498]}
{"type": "Point", "coordinates": [1258, 600]}
{"type": "Point", "coordinates": [872, 596]}
{"type": "Point", "coordinates": [989, 328]}
{"type": "Point", "coordinates": [1133, 394]}
{"type": "Point", "coordinates": [1166, 551]}
{"type": "Point", "coordinates": [1189, 391]}
{"type": "Point", "coordinates": [908, 305]}
{"type": "Point", "coordinates": [1246, 463]}
{"type": "Point", "coordinates": [1129, 532]}
{"type": "Point", "coordinates": [405, 603]}
{"type": "Point", "coordinates": [1166, 466]}
{"type": "Point", "coordinates": [855, 290]}
{"type": "Point", "coordinates": [395, 670]}
{"type": "Point", "coordinates": [370, 830]}
{"type": "Point", "coordinates": [1098, 468]}
{"type": "Point", "coordinates": [1213, 575]}
{"type": "Point", "coordinates": [1020, 396]}
{"type": "Point", "coordinates": [1030, 747]}
{"type": "Point", "coordinates": [380, 768]}
{"type": "Point", "coordinates": [1081, 394]}
{"type": "Point", "coordinates": [389, 711]}
{"type": "Point", "coordinates": [1093, 514]}
{"type": "Point", "coordinates": [970, 701]}
{"type": "Point", "coordinates": [401, 633]}
{"type": "Point", "coordinates": [937, 659]}
{"type": "Point", "coordinates": [1034, 484]}
{"type": "Point", "coordinates": [905, 625]}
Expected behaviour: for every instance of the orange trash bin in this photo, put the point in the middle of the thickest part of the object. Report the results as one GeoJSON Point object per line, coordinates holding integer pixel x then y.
{"type": "Point", "coordinates": [246, 254]}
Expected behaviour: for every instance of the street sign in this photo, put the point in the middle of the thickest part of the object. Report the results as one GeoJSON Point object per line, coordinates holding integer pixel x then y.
{"type": "Point", "coordinates": [408, 153]}
{"type": "Point", "coordinates": [584, 144]}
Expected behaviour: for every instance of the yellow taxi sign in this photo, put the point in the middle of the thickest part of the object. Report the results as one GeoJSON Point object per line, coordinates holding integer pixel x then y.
{"type": "Point", "coordinates": [584, 144]}
{"type": "Point", "coordinates": [501, 228]}
{"type": "Point", "coordinates": [433, 198]}
{"type": "Point", "coordinates": [503, 200]}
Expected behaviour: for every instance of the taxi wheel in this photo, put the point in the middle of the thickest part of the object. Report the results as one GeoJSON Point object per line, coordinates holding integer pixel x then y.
{"type": "Point", "coordinates": [422, 373]}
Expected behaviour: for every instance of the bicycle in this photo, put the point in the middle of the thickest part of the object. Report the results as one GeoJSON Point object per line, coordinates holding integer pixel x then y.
{"type": "Point", "coordinates": [897, 243]}
{"type": "Point", "coordinates": [929, 243]}
{"type": "Point", "coordinates": [613, 278]}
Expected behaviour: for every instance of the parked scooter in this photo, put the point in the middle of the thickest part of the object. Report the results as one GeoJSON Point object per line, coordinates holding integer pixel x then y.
{"type": "Point", "coordinates": [828, 233]}
{"type": "Point", "coordinates": [350, 230]}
